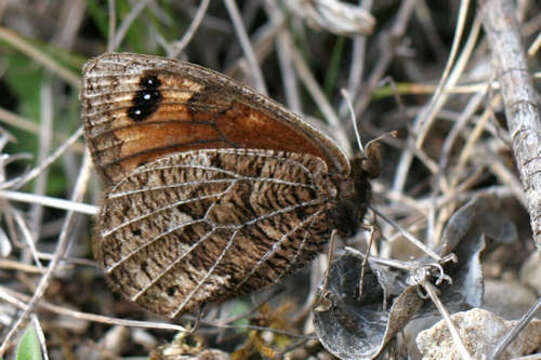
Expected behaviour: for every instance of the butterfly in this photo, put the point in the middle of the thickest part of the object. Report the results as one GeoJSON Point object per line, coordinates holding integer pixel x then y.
{"type": "Point", "coordinates": [212, 190]}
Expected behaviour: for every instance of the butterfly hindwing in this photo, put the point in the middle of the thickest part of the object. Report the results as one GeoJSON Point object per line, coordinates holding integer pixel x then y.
{"type": "Point", "coordinates": [209, 225]}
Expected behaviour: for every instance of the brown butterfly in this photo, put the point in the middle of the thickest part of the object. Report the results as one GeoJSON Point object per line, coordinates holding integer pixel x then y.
{"type": "Point", "coordinates": [213, 190]}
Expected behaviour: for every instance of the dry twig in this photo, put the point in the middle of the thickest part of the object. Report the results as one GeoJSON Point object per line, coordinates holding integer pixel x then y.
{"type": "Point", "coordinates": [519, 98]}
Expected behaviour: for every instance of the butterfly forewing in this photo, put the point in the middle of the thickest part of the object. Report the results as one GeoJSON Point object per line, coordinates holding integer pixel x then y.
{"type": "Point", "coordinates": [137, 108]}
{"type": "Point", "coordinates": [207, 225]}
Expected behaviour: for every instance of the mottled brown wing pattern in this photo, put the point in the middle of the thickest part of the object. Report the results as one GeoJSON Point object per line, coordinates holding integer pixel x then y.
{"type": "Point", "coordinates": [205, 225]}
{"type": "Point", "coordinates": [137, 108]}
{"type": "Point", "coordinates": [212, 189]}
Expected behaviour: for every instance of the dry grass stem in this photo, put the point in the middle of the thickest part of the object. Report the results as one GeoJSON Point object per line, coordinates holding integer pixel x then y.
{"type": "Point", "coordinates": [19, 43]}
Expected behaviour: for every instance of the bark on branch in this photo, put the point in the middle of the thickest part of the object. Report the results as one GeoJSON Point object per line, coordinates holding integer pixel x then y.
{"type": "Point", "coordinates": [520, 100]}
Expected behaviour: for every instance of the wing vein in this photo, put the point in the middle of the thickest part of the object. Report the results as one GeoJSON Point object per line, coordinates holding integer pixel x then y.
{"type": "Point", "coordinates": [169, 231]}
{"type": "Point", "coordinates": [275, 247]}
{"type": "Point", "coordinates": [207, 275]}
{"type": "Point", "coordinates": [153, 212]}
{"type": "Point", "coordinates": [172, 264]}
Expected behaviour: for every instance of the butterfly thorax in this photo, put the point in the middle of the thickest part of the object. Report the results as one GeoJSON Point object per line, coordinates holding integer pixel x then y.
{"type": "Point", "coordinates": [352, 199]}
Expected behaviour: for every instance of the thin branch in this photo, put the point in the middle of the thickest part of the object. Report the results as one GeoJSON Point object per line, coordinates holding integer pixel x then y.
{"type": "Point", "coordinates": [179, 46]}
{"type": "Point", "coordinates": [49, 201]}
{"type": "Point", "coordinates": [432, 293]}
{"type": "Point", "coordinates": [71, 219]}
{"type": "Point", "coordinates": [20, 181]}
{"type": "Point", "coordinates": [38, 56]}
{"type": "Point", "coordinates": [112, 25]}
{"type": "Point", "coordinates": [22, 123]}
{"type": "Point", "coordinates": [428, 116]}
{"type": "Point", "coordinates": [255, 70]}
{"type": "Point", "coordinates": [18, 300]}
{"type": "Point", "coordinates": [520, 100]}
{"type": "Point", "coordinates": [128, 20]}
{"type": "Point", "coordinates": [513, 333]}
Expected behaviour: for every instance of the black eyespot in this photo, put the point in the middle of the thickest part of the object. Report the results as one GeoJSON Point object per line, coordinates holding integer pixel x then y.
{"type": "Point", "coordinates": [146, 101]}
{"type": "Point", "coordinates": [171, 291]}
{"type": "Point", "coordinates": [150, 82]}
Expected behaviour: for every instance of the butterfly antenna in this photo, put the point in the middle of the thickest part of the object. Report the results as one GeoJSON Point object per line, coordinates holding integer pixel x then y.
{"type": "Point", "coordinates": [392, 133]}
{"type": "Point", "coordinates": [345, 94]}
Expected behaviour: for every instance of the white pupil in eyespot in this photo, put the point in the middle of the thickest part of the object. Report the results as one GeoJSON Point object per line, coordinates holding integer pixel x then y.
{"type": "Point", "coordinates": [146, 96]}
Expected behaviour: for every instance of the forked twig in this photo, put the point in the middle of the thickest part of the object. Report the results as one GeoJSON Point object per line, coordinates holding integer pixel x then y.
{"type": "Point", "coordinates": [179, 46]}
{"type": "Point", "coordinates": [20, 181]}
{"type": "Point", "coordinates": [126, 23]}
